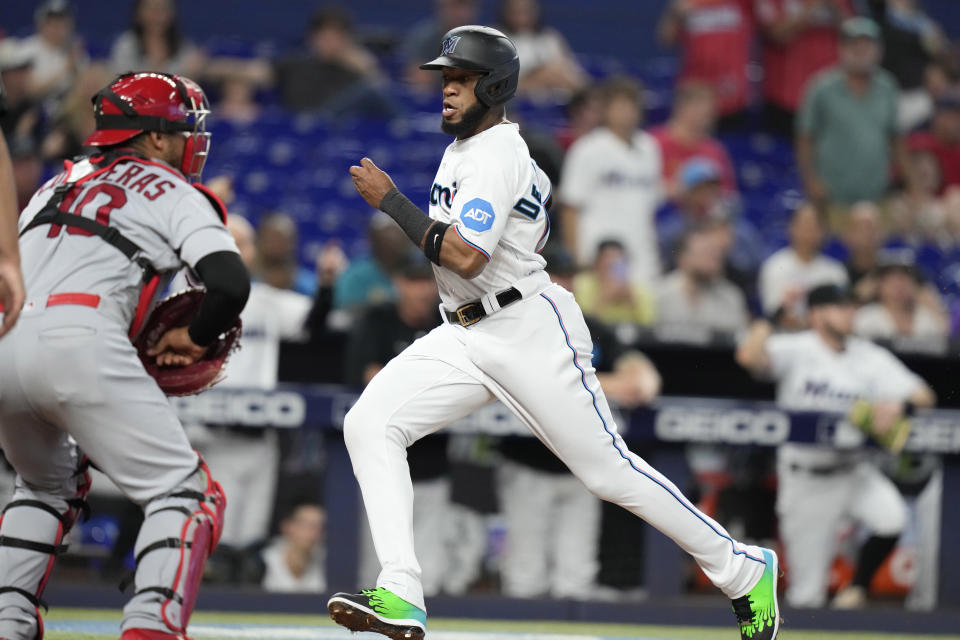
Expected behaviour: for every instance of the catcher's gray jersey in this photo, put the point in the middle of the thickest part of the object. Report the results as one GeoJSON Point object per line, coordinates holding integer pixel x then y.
{"type": "Point", "coordinates": [149, 202]}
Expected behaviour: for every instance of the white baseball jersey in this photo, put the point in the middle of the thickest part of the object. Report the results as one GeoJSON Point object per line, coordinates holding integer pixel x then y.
{"type": "Point", "coordinates": [271, 315]}
{"type": "Point", "coordinates": [617, 188]}
{"type": "Point", "coordinates": [493, 194]}
{"type": "Point", "coordinates": [813, 377]}
{"type": "Point", "coordinates": [150, 203]}
{"type": "Point", "coordinates": [785, 270]}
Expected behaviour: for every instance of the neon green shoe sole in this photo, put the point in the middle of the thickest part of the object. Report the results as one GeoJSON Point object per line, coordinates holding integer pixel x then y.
{"type": "Point", "coordinates": [380, 611]}
{"type": "Point", "coordinates": [758, 612]}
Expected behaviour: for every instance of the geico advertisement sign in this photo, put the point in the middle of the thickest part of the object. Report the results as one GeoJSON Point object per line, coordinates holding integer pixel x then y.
{"type": "Point", "coordinates": [736, 426]}
{"type": "Point", "coordinates": [248, 408]}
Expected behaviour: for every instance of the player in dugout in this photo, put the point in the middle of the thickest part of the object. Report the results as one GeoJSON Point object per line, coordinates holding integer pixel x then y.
{"type": "Point", "coordinates": [828, 369]}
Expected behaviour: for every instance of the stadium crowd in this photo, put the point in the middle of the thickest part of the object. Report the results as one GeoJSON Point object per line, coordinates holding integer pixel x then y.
{"type": "Point", "coordinates": [698, 206]}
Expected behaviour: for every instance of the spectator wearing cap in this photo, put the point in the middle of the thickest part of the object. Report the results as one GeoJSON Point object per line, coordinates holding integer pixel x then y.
{"type": "Point", "coordinates": [607, 292]}
{"type": "Point", "coordinates": [847, 133]}
{"type": "Point", "coordinates": [912, 40]}
{"type": "Point", "coordinates": [799, 39]}
{"type": "Point", "coordinates": [56, 54]}
{"type": "Point", "coordinates": [788, 274]}
{"type": "Point", "coordinates": [716, 38]}
{"type": "Point", "coordinates": [942, 138]}
{"type": "Point", "coordinates": [696, 294]}
{"type": "Point", "coordinates": [611, 184]}
{"type": "Point", "coordinates": [702, 199]}
{"type": "Point", "coordinates": [688, 134]}
{"type": "Point", "coordinates": [155, 42]}
{"type": "Point", "coordinates": [899, 309]}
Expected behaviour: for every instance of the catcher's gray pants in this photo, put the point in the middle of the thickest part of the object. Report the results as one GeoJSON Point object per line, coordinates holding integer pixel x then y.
{"type": "Point", "coordinates": [68, 374]}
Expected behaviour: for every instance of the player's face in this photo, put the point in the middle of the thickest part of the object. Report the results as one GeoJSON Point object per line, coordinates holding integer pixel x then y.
{"type": "Point", "coordinates": [462, 112]}
{"type": "Point", "coordinates": [835, 319]}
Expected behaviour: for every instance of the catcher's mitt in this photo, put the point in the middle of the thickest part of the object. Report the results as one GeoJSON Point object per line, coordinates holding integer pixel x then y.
{"type": "Point", "coordinates": [893, 439]}
{"type": "Point", "coordinates": [177, 311]}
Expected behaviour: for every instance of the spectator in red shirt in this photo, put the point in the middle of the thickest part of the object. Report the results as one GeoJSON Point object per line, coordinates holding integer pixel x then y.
{"type": "Point", "coordinates": [687, 134]}
{"type": "Point", "coordinates": [800, 37]}
{"type": "Point", "coordinates": [942, 139]}
{"type": "Point", "coordinates": [716, 37]}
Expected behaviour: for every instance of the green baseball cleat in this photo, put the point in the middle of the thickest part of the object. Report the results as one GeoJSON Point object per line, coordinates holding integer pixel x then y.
{"type": "Point", "coordinates": [758, 613]}
{"type": "Point", "coordinates": [378, 610]}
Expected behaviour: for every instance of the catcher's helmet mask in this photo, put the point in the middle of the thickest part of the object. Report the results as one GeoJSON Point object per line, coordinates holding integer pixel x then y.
{"type": "Point", "coordinates": [484, 50]}
{"type": "Point", "coordinates": [184, 110]}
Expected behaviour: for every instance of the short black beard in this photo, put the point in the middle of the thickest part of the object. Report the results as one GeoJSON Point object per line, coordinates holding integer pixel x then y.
{"type": "Point", "coordinates": [469, 121]}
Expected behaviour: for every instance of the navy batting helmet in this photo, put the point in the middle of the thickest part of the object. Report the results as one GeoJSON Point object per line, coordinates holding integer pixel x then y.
{"type": "Point", "coordinates": [483, 49]}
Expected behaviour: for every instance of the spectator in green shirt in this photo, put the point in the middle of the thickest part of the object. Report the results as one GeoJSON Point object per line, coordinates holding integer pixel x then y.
{"type": "Point", "coordinates": [847, 133]}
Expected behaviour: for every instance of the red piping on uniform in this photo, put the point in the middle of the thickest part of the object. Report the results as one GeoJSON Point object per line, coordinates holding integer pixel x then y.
{"type": "Point", "coordinates": [143, 304]}
{"type": "Point", "coordinates": [82, 299]}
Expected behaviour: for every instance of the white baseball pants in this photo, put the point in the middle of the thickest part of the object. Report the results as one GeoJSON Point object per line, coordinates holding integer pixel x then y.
{"type": "Point", "coordinates": [535, 357]}
{"type": "Point", "coordinates": [553, 526]}
{"type": "Point", "coordinates": [812, 509]}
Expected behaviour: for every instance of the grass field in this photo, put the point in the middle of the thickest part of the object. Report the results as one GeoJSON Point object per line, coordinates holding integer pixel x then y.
{"type": "Point", "coordinates": [93, 624]}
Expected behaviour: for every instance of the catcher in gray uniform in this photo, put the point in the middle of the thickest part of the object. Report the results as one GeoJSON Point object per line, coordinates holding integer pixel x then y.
{"type": "Point", "coordinates": [97, 243]}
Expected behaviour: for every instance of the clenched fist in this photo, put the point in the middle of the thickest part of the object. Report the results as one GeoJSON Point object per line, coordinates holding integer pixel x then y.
{"type": "Point", "coordinates": [371, 182]}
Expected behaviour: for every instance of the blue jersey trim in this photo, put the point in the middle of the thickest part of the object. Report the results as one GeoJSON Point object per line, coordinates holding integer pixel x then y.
{"type": "Point", "coordinates": [470, 244]}
{"type": "Point", "coordinates": [613, 439]}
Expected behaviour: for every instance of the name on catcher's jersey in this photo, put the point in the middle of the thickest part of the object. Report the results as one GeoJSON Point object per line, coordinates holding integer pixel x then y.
{"type": "Point", "coordinates": [494, 196]}
{"type": "Point", "coordinates": [150, 203]}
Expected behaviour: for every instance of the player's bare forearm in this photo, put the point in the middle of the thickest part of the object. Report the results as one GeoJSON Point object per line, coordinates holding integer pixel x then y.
{"type": "Point", "coordinates": [374, 185]}
{"type": "Point", "coordinates": [923, 397]}
{"type": "Point", "coordinates": [461, 258]}
{"type": "Point", "coordinates": [752, 352]}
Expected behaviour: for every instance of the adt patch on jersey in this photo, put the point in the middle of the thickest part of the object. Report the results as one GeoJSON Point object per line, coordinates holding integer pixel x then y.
{"type": "Point", "coordinates": [477, 214]}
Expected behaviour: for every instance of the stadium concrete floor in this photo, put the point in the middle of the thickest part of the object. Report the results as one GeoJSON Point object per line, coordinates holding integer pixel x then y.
{"type": "Point", "coordinates": [99, 624]}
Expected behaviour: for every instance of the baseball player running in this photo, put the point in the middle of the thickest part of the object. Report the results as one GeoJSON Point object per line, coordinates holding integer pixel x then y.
{"type": "Point", "coordinates": [508, 334]}
{"type": "Point", "coordinates": [826, 369]}
{"type": "Point", "coordinates": [70, 379]}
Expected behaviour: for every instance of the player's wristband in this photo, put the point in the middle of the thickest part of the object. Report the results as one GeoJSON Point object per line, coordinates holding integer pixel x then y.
{"type": "Point", "coordinates": [409, 216]}
{"type": "Point", "coordinates": [434, 240]}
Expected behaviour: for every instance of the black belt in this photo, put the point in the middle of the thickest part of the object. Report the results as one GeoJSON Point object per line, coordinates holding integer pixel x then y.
{"type": "Point", "coordinates": [820, 471]}
{"type": "Point", "coordinates": [473, 312]}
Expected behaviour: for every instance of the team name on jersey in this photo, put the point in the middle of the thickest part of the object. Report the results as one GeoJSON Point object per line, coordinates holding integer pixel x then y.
{"type": "Point", "coordinates": [440, 193]}
{"type": "Point", "coordinates": [822, 389]}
